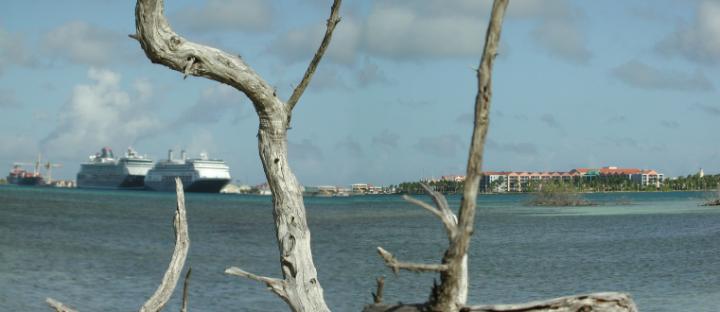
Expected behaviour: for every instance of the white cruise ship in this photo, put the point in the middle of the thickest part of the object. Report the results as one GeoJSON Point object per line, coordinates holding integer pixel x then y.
{"type": "Point", "coordinates": [198, 174]}
{"type": "Point", "coordinates": [103, 171]}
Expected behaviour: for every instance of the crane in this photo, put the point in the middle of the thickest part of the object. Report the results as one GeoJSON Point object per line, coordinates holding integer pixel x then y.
{"type": "Point", "coordinates": [48, 170]}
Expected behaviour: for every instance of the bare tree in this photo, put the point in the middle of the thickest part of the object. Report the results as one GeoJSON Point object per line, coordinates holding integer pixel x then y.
{"type": "Point", "coordinates": [299, 287]}
{"type": "Point", "coordinates": [451, 294]}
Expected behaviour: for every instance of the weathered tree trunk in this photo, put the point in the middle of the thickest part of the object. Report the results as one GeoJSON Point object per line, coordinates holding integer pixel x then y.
{"type": "Point", "coordinates": [299, 287]}
{"type": "Point", "coordinates": [451, 294]}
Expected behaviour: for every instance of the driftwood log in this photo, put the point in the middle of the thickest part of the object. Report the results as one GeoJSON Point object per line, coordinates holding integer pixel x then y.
{"type": "Point", "coordinates": [162, 295]}
{"type": "Point", "coordinates": [597, 302]}
{"type": "Point", "coordinates": [299, 287]}
{"type": "Point", "coordinates": [451, 294]}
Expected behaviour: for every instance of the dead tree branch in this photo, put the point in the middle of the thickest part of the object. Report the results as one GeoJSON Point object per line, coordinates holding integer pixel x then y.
{"type": "Point", "coordinates": [184, 306]}
{"type": "Point", "coordinates": [378, 294]}
{"type": "Point", "coordinates": [396, 265]}
{"type": "Point", "coordinates": [331, 22]}
{"type": "Point", "coordinates": [58, 306]}
{"type": "Point", "coordinates": [275, 285]}
{"type": "Point", "coordinates": [451, 294]}
{"type": "Point", "coordinates": [182, 243]}
{"type": "Point", "coordinates": [300, 287]}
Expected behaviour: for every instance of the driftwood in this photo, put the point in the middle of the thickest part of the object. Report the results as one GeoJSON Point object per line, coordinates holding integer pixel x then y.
{"type": "Point", "coordinates": [597, 302]}
{"type": "Point", "coordinates": [299, 287]}
{"type": "Point", "coordinates": [58, 306]}
{"type": "Point", "coordinates": [182, 243]}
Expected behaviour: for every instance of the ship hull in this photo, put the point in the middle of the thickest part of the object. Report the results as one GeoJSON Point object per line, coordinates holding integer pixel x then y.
{"type": "Point", "coordinates": [196, 186]}
{"type": "Point", "coordinates": [111, 182]}
{"type": "Point", "coordinates": [27, 181]}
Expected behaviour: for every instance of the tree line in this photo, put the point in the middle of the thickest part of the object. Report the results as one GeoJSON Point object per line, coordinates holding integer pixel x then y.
{"type": "Point", "coordinates": [602, 183]}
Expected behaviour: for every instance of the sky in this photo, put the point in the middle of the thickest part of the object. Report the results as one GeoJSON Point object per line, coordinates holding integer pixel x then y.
{"type": "Point", "coordinates": [576, 84]}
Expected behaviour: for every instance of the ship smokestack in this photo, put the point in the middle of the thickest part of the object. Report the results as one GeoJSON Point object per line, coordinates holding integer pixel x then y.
{"type": "Point", "coordinates": [183, 155]}
{"type": "Point", "coordinates": [170, 154]}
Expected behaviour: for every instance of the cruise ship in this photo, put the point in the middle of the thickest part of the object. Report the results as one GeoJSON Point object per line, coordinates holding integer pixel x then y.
{"type": "Point", "coordinates": [202, 174]}
{"type": "Point", "coordinates": [103, 171]}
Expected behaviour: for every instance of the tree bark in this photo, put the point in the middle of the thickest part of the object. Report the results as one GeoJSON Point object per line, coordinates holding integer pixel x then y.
{"type": "Point", "coordinates": [299, 288]}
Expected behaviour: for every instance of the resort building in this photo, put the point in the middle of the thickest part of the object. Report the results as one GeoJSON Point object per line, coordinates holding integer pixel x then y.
{"type": "Point", "coordinates": [523, 181]}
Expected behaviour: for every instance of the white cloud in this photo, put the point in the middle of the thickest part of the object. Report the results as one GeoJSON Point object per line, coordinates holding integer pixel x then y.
{"type": "Point", "coordinates": [99, 114]}
{"type": "Point", "coordinates": [640, 75]}
{"type": "Point", "coordinates": [228, 15]}
{"type": "Point", "coordinates": [700, 41]}
{"type": "Point", "coordinates": [425, 29]}
{"type": "Point", "coordinates": [82, 43]}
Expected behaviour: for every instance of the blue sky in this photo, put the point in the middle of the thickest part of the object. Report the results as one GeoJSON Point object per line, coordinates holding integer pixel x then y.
{"type": "Point", "coordinates": [576, 84]}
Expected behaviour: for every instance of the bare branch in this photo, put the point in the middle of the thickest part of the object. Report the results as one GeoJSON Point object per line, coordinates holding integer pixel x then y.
{"type": "Point", "coordinates": [274, 284]}
{"type": "Point", "coordinates": [378, 294]}
{"type": "Point", "coordinates": [438, 199]}
{"type": "Point", "coordinates": [396, 265]}
{"type": "Point", "coordinates": [424, 205]}
{"type": "Point", "coordinates": [58, 306]}
{"type": "Point", "coordinates": [182, 243]}
{"type": "Point", "coordinates": [331, 22]}
{"type": "Point", "coordinates": [163, 46]}
{"type": "Point", "coordinates": [183, 308]}
{"type": "Point", "coordinates": [448, 222]}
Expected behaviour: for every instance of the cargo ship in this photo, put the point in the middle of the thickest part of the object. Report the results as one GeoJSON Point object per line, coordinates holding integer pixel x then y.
{"type": "Point", "coordinates": [21, 176]}
{"type": "Point", "coordinates": [201, 174]}
{"type": "Point", "coordinates": [103, 171]}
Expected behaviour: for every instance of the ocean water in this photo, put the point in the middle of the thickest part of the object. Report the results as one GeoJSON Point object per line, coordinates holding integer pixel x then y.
{"type": "Point", "coordinates": [107, 250]}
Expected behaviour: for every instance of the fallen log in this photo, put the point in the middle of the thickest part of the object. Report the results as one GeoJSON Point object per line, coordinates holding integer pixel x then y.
{"type": "Point", "coordinates": [596, 302]}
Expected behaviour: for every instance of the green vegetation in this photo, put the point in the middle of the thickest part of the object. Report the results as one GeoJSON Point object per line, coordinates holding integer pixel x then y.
{"type": "Point", "coordinates": [608, 183]}
{"type": "Point", "coordinates": [693, 183]}
{"type": "Point", "coordinates": [3, 181]}
{"type": "Point", "coordinates": [445, 187]}
{"type": "Point", "coordinates": [558, 194]}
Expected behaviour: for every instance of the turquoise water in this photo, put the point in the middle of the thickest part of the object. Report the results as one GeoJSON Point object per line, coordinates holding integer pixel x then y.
{"type": "Point", "coordinates": [107, 251]}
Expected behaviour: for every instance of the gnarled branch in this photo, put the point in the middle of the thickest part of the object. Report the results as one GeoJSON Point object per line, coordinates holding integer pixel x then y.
{"type": "Point", "coordinates": [182, 243]}
{"type": "Point", "coordinates": [163, 46]}
{"type": "Point", "coordinates": [396, 265]}
{"type": "Point", "coordinates": [58, 306]}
